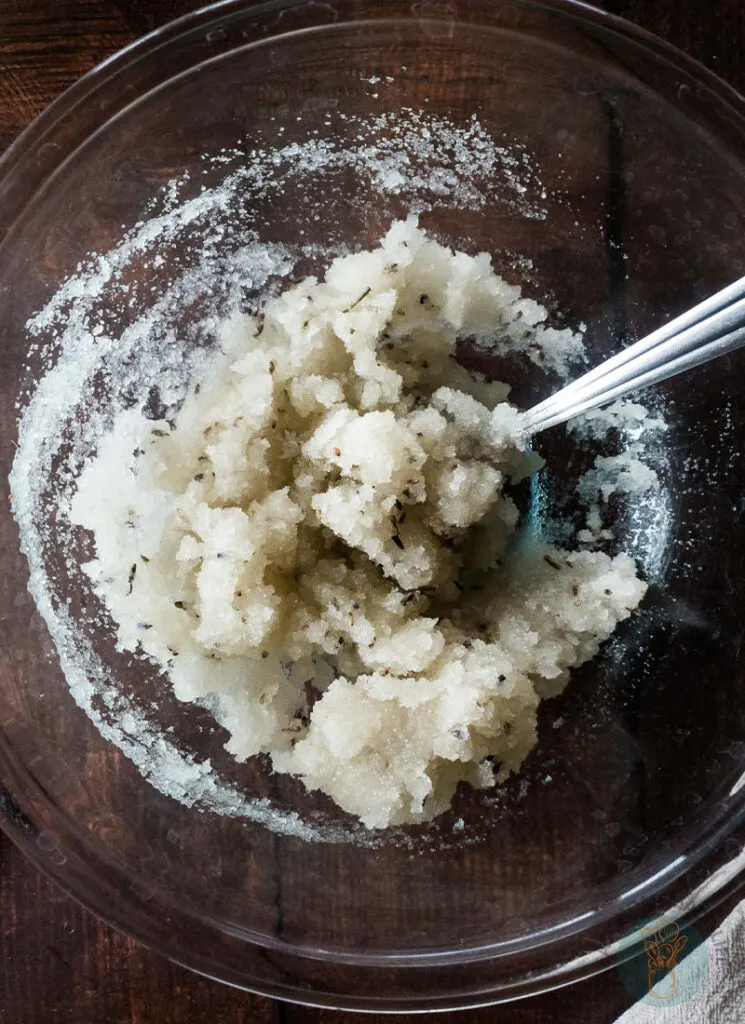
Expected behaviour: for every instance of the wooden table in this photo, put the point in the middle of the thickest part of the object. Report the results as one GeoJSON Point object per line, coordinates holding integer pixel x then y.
{"type": "Point", "coordinates": [58, 963]}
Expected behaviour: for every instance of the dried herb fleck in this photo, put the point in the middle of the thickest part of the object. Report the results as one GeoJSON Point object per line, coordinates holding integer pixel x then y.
{"type": "Point", "coordinates": [359, 300]}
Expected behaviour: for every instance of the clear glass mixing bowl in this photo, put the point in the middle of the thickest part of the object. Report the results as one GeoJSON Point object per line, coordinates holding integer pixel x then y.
{"type": "Point", "coordinates": [619, 198]}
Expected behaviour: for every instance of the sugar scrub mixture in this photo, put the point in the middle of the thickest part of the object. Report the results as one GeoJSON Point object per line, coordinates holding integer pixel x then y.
{"type": "Point", "coordinates": [317, 547]}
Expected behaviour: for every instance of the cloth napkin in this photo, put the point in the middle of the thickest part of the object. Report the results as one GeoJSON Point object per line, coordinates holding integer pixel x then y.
{"type": "Point", "coordinates": [710, 983]}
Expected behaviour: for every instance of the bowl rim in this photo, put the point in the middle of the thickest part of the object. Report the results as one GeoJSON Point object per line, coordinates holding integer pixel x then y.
{"type": "Point", "coordinates": [18, 185]}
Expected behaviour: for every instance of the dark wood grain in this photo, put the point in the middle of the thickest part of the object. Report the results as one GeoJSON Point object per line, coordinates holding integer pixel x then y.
{"type": "Point", "coordinates": [58, 963]}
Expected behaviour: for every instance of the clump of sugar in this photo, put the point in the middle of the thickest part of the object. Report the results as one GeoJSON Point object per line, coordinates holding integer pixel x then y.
{"type": "Point", "coordinates": [329, 504]}
{"type": "Point", "coordinates": [627, 472]}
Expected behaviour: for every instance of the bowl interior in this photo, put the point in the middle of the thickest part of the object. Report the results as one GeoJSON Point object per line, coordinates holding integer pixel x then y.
{"type": "Point", "coordinates": [610, 188]}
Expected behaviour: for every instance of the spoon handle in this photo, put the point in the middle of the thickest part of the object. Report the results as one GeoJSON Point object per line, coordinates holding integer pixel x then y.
{"type": "Point", "coordinates": [713, 328]}
{"type": "Point", "coordinates": [578, 404]}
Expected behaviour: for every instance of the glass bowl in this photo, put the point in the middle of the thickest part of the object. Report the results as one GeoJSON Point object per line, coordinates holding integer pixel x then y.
{"type": "Point", "coordinates": [605, 172]}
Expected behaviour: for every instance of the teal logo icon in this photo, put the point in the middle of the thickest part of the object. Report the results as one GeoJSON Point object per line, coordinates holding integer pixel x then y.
{"type": "Point", "coordinates": [664, 963]}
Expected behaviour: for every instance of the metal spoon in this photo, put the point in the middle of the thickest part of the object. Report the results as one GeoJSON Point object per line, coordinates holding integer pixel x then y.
{"type": "Point", "coordinates": [712, 328]}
